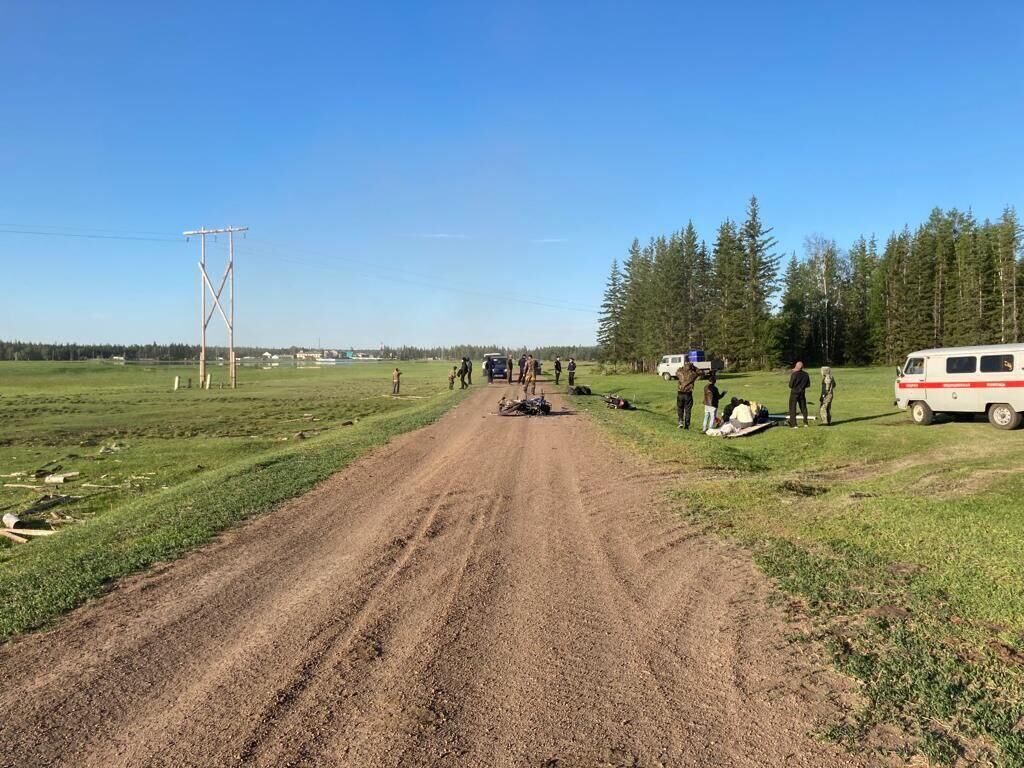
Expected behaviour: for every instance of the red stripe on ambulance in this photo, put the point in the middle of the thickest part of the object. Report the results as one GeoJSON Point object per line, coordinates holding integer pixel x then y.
{"type": "Point", "coordinates": [958, 384]}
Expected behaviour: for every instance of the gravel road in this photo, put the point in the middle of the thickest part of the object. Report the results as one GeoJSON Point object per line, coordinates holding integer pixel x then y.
{"type": "Point", "coordinates": [487, 591]}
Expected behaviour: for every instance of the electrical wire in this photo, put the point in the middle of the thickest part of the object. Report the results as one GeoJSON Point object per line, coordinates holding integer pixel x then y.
{"type": "Point", "coordinates": [274, 251]}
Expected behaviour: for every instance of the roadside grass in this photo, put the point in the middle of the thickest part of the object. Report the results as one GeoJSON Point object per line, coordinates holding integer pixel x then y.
{"type": "Point", "coordinates": [905, 545]}
{"type": "Point", "coordinates": [183, 465]}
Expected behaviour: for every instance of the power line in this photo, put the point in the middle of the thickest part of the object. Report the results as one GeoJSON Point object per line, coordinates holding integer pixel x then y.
{"type": "Point", "coordinates": [371, 269]}
{"type": "Point", "coordinates": [90, 235]}
{"type": "Point", "coordinates": [422, 281]}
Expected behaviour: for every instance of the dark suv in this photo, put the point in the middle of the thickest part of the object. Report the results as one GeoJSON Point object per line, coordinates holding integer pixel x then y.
{"type": "Point", "coordinates": [499, 365]}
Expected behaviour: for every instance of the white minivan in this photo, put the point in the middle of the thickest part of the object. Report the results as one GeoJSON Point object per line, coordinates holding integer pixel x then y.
{"type": "Point", "coordinates": [964, 380]}
{"type": "Point", "coordinates": [670, 365]}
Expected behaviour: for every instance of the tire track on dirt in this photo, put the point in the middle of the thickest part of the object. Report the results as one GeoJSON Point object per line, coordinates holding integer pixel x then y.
{"type": "Point", "coordinates": [485, 592]}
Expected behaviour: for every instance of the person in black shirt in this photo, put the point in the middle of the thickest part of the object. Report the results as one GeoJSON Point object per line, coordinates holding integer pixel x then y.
{"type": "Point", "coordinates": [799, 381]}
{"type": "Point", "coordinates": [572, 371]}
{"type": "Point", "coordinates": [558, 370]}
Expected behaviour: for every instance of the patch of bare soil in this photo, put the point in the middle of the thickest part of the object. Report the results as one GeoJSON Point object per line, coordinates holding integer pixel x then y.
{"type": "Point", "coordinates": [484, 592]}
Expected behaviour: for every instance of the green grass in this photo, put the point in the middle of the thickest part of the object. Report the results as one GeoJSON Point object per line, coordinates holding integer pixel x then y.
{"type": "Point", "coordinates": [905, 543]}
{"type": "Point", "coordinates": [183, 465]}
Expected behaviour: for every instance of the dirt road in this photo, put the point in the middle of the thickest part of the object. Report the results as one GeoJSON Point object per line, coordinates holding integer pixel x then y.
{"type": "Point", "coordinates": [485, 592]}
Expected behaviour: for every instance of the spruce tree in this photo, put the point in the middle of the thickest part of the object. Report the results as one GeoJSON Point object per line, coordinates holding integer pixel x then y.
{"type": "Point", "coordinates": [729, 328]}
{"type": "Point", "coordinates": [791, 329]}
{"type": "Point", "coordinates": [761, 266]}
{"type": "Point", "coordinates": [609, 326]}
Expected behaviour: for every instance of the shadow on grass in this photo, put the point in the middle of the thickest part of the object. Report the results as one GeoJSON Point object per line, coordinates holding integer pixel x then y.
{"type": "Point", "coordinates": [862, 418]}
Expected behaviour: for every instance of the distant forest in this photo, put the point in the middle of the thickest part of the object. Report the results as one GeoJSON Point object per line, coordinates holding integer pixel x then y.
{"type": "Point", "coordinates": [22, 350]}
{"type": "Point", "coordinates": [952, 280]}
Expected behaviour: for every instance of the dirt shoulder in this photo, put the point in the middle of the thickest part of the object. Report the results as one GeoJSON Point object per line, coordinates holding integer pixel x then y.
{"type": "Point", "coordinates": [486, 591]}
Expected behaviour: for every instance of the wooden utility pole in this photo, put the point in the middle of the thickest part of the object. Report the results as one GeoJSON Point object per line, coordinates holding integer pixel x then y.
{"type": "Point", "coordinates": [205, 284]}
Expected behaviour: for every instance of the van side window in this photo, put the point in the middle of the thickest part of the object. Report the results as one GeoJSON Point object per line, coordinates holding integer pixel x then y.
{"type": "Point", "coordinates": [996, 363]}
{"type": "Point", "coordinates": [915, 366]}
{"type": "Point", "coordinates": [677, 359]}
{"type": "Point", "coordinates": [961, 364]}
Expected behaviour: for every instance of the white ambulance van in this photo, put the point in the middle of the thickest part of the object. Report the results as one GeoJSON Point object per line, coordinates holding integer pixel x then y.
{"type": "Point", "coordinates": [964, 380]}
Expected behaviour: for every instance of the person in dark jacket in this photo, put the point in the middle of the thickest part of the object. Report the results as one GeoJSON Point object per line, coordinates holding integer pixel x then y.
{"type": "Point", "coordinates": [558, 370]}
{"type": "Point", "coordinates": [799, 381]}
{"type": "Point", "coordinates": [489, 368]}
{"type": "Point", "coordinates": [462, 374]}
{"type": "Point", "coordinates": [571, 367]}
{"type": "Point", "coordinates": [828, 388]}
{"type": "Point", "coordinates": [687, 376]}
{"type": "Point", "coordinates": [522, 369]}
{"type": "Point", "coordinates": [508, 369]}
{"type": "Point", "coordinates": [711, 398]}
{"type": "Point", "coordinates": [469, 370]}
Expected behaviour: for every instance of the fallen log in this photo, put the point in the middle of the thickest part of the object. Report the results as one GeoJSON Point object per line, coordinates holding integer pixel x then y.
{"type": "Point", "coordinates": [28, 531]}
{"type": "Point", "coordinates": [13, 536]}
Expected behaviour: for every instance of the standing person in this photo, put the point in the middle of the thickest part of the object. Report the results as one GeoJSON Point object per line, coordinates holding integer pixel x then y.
{"type": "Point", "coordinates": [469, 370]}
{"type": "Point", "coordinates": [558, 370]}
{"type": "Point", "coordinates": [462, 374]}
{"type": "Point", "coordinates": [529, 376]}
{"type": "Point", "coordinates": [799, 381]}
{"type": "Point", "coordinates": [828, 388]}
{"type": "Point", "coordinates": [489, 368]}
{"type": "Point", "coordinates": [522, 369]}
{"type": "Point", "coordinates": [711, 398]}
{"type": "Point", "coordinates": [687, 376]}
{"type": "Point", "coordinates": [571, 367]}
{"type": "Point", "coordinates": [451, 377]}
{"type": "Point", "coordinates": [396, 381]}
{"type": "Point", "coordinates": [508, 369]}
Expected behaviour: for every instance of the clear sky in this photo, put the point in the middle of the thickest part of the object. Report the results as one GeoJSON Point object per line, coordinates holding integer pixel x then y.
{"type": "Point", "coordinates": [410, 170]}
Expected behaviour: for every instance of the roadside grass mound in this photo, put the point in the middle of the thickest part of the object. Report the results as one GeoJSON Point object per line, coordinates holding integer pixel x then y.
{"type": "Point", "coordinates": [905, 544]}
{"type": "Point", "coordinates": [162, 472]}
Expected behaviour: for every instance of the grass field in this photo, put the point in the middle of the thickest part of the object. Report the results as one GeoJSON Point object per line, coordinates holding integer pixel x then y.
{"type": "Point", "coordinates": [162, 471]}
{"type": "Point", "coordinates": [905, 543]}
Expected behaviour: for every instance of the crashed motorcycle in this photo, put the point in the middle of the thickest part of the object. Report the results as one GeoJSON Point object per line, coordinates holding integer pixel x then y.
{"type": "Point", "coordinates": [533, 406]}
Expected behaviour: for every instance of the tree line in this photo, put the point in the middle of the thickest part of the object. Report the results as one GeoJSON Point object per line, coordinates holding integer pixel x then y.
{"type": "Point", "coordinates": [477, 352]}
{"type": "Point", "coordinates": [950, 281]}
{"type": "Point", "coordinates": [25, 350]}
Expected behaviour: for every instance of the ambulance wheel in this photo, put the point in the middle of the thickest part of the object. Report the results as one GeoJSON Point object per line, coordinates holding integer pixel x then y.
{"type": "Point", "coordinates": [921, 413]}
{"type": "Point", "coordinates": [666, 376]}
{"type": "Point", "coordinates": [1002, 416]}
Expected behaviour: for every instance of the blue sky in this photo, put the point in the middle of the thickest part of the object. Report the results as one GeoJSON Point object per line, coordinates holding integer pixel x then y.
{"type": "Point", "coordinates": [415, 173]}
